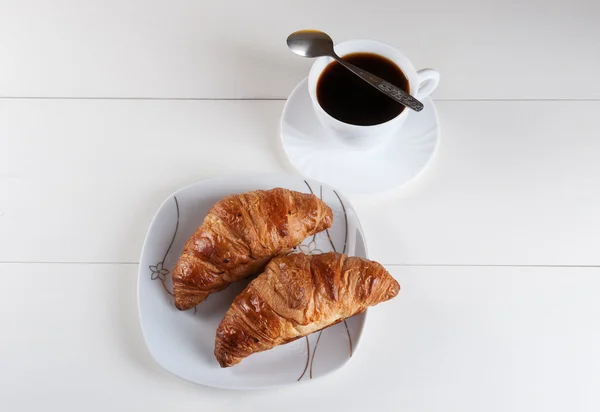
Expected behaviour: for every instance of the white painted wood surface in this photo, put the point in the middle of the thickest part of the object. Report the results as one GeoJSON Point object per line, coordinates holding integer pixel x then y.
{"type": "Point", "coordinates": [516, 184]}
{"type": "Point", "coordinates": [513, 183]}
{"type": "Point", "coordinates": [214, 49]}
{"type": "Point", "coordinates": [455, 339]}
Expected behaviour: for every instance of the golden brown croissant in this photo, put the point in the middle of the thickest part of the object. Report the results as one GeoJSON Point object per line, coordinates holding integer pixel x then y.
{"type": "Point", "coordinates": [239, 236]}
{"type": "Point", "coordinates": [297, 295]}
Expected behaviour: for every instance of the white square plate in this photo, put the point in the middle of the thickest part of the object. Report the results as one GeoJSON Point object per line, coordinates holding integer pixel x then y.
{"type": "Point", "coordinates": [183, 342]}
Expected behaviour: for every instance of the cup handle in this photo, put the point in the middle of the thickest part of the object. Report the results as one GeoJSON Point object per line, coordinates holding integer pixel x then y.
{"type": "Point", "coordinates": [428, 81]}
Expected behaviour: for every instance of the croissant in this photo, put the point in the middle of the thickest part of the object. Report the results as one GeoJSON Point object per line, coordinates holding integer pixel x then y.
{"type": "Point", "coordinates": [297, 295]}
{"type": "Point", "coordinates": [239, 236]}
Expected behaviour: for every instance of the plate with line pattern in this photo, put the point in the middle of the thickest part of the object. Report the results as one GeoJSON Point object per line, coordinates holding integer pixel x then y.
{"type": "Point", "coordinates": [183, 342]}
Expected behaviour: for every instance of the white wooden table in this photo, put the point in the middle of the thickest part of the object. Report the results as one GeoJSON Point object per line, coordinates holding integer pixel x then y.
{"type": "Point", "coordinates": [108, 106]}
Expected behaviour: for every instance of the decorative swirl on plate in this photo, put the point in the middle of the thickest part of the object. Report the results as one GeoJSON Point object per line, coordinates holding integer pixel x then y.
{"type": "Point", "coordinates": [158, 271]}
{"type": "Point", "coordinates": [310, 249]}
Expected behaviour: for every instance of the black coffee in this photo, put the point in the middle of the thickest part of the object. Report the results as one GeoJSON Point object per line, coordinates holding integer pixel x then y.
{"type": "Point", "coordinates": [350, 99]}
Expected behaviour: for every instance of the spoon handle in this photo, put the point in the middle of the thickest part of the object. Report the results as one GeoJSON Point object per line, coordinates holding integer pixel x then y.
{"type": "Point", "coordinates": [383, 86]}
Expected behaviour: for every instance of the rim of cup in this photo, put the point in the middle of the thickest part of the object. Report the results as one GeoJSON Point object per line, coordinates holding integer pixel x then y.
{"type": "Point", "coordinates": [390, 53]}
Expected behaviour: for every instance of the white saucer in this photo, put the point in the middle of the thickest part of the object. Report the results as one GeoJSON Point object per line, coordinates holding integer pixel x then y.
{"type": "Point", "coordinates": [318, 155]}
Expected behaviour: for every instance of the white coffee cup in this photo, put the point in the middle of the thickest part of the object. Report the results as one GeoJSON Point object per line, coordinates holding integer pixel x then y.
{"type": "Point", "coordinates": [421, 83]}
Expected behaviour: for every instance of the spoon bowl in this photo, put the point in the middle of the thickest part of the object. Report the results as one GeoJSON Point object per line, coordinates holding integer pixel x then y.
{"type": "Point", "coordinates": [311, 43]}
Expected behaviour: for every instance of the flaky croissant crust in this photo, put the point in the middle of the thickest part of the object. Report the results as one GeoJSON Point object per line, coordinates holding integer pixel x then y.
{"type": "Point", "coordinates": [297, 295]}
{"type": "Point", "coordinates": [239, 236]}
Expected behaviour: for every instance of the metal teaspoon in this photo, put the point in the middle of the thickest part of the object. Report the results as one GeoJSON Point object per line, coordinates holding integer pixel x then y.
{"type": "Point", "coordinates": [315, 43]}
